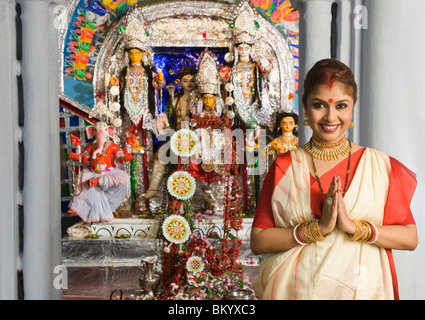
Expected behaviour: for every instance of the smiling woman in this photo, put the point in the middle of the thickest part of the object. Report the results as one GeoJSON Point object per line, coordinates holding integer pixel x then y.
{"type": "Point", "coordinates": [331, 211]}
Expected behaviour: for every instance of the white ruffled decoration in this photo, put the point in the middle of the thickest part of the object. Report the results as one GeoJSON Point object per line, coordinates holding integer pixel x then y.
{"type": "Point", "coordinates": [183, 178]}
{"type": "Point", "coordinates": [176, 229]}
{"type": "Point", "coordinates": [195, 264]}
{"type": "Point", "coordinates": [184, 133]}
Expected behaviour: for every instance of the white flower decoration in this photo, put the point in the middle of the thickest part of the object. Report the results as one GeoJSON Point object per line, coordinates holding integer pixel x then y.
{"type": "Point", "coordinates": [195, 264]}
{"type": "Point", "coordinates": [229, 87]}
{"type": "Point", "coordinates": [176, 229]}
{"type": "Point", "coordinates": [184, 143]}
{"type": "Point", "coordinates": [181, 185]}
{"type": "Point", "coordinates": [115, 90]}
{"type": "Point", "coordinates": [114, 106]}
{"type": "Point", "coordinates": [229, 101]}
{"type": "Point", "coordinates": [117, 122]}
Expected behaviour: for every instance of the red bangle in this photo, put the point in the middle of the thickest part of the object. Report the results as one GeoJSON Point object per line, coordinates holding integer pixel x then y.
{"type": "Point", "coordinates": [372, 233]}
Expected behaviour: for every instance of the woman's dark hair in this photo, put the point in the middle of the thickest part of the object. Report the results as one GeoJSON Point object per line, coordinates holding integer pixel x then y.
{"type": "Point", "coordinates": [327, 71]}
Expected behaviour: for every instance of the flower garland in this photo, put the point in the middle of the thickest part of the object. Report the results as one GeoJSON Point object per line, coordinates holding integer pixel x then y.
{"type": "Point", "coordinates": [199, 272]}
{"type": "Point", "coordinates": [193, 268]}
{"type": "Point", "coordinates": [232, 223]}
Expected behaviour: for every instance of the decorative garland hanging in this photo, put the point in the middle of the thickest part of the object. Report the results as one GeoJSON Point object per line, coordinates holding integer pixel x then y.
{"type": "Point", "coordinates": [195, 264]}
{"type": "Point", "coordinates": [184, 143]}
{"type": "Point", "coordinates": [176, 229]}
{"type": "Point", "coordinates": [181, 185]}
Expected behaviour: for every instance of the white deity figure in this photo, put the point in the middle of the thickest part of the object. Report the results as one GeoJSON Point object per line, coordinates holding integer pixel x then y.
{"type": "Point", "coordinates": [134, 92]}
{"type": "Point", "coordinates": [249, 76]}
{"type": "Point", "coordinates": [132, 88]}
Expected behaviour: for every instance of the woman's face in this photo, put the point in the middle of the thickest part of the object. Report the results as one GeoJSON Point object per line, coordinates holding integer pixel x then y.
{"type": "Point", "coordinates": [208, 100]}
{"type": "Point", "coordinates": [329, 112]}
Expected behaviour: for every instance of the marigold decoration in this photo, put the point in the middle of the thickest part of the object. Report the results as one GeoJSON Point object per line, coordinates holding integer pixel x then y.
{"type": "Point", "coordinates": [184, 143]}
{"type": "Point", "coordinates": [181, 185]}
{"type": "Point", "coordinates": [176, 229]}
{"type": "Point", "coordinates": [195, 264]}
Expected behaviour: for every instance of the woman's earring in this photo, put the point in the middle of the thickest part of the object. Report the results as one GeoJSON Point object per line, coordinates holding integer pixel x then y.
{"type": "Point", "coordinates": [305, 121]}
{"type": "Point", "coordinates": [351, 124]}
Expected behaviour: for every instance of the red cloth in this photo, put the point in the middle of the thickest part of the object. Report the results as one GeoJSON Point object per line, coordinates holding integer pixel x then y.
{"type": "Point", "coordinates": [106, 158]}
{"type": "Point", "coordinates": [402, 185]}
{"type": "Point", "coordinates": [197, 171]}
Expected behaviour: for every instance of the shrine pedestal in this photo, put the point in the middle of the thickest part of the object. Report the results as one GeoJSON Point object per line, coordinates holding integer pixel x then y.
{"type": "Point", "coordinates": [96, 267]}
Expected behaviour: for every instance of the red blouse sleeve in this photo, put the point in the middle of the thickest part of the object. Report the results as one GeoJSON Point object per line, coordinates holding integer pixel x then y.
{"type": "Point", "coordinates": [400, 192]}
{"type": "Point", "coordinates": [397, 209]}
{"type": "Point", "coordinates": [264, 215]}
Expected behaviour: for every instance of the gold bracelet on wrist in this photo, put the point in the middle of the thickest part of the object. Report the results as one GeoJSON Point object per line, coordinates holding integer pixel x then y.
{"type": "Point", "coordinates": [308, 232]}
{"type": "Point", "coordinates": [365, 232]}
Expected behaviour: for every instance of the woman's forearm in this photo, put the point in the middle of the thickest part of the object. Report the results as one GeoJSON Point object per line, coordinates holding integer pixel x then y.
{"type": "Point", "coordinates": [397, 237]}
{"type": "Point", "coordinates": [272, 240]}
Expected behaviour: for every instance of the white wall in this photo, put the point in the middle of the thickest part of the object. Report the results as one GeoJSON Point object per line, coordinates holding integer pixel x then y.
{"type": "Point", "coordinates": [393, 109]}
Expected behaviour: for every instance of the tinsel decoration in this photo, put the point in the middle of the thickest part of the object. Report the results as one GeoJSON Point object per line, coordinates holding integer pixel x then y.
{"type": "Point", "coordinates": [132, 179]}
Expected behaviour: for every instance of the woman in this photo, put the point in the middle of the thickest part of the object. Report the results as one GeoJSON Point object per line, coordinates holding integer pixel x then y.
{"type": "Point", "coordinates": [331, 211]}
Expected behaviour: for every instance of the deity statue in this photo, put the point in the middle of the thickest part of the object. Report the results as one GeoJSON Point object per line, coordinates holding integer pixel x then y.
{"type": "Point", "coordinates": [135, 94]}
{"type": "Point", "coordinates": [177, 111]}
{"type": "Point", "coordinates": [180, 104]}
{"type": "Point", "coordinates": [103, 186]}
{"type": "Point", "coordinates": [133, 89]}
{"type": "Point", "coordinates": [249, 76]}
{"type": "Point", "coordinates": [208, 114]}
{"type": "Point", "coordinates": [286, 140]}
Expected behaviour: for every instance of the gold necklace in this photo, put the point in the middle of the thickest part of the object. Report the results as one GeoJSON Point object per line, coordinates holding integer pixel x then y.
{"type": "Point", "coordinates": [324, 145]}
{"type": "Point", "coordinates": [346, 175]}
{"type": "Point", "coordinates": [326, 155]}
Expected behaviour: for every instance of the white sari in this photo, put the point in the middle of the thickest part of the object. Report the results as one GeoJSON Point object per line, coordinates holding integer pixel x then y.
{"type": "Point", "coordinates": [335, 268]}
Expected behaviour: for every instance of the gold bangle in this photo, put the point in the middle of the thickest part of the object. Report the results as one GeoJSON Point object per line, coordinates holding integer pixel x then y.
{"type": "Point", "coordinates": [363, 231]}
{"type": "Point", "coordinates": [309, 232]}
{"type": "Point", "coordinates": [316, 232]}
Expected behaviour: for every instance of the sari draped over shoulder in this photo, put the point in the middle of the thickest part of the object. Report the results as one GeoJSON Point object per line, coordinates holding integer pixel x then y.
{"type": "Point", "coordinates": [335, 268]}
